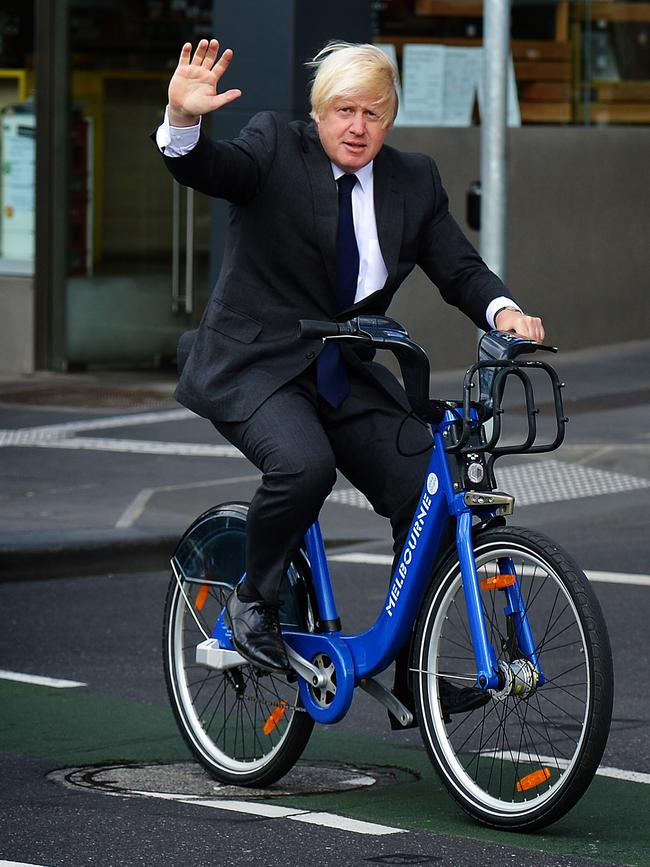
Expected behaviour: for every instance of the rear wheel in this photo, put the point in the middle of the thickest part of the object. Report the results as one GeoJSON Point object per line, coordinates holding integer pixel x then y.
{"type": "Point", "coordinates": [525, 758]}
{"type": "Point", "coordinates": [244, 726]}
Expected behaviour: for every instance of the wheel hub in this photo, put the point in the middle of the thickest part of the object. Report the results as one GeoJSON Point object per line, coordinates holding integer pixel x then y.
{"type": "Point", "coordinates": [519, 677]}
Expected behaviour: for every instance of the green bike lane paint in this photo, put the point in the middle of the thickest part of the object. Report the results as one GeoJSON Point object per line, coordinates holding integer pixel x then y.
{"type": "Point", "coordinates": [79, 728]}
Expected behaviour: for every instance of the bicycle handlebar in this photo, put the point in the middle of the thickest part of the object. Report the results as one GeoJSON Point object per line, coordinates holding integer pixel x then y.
{"type": "Point", "coordinates": [499, 357]}
{"type": "Point", "coordinates": [312, 329]}
{"type": "Point", "coordinates": [380, 332]}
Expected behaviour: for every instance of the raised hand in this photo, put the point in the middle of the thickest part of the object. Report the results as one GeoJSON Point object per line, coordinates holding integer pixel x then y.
{"type": "Point", "coordinates": [193, 86]}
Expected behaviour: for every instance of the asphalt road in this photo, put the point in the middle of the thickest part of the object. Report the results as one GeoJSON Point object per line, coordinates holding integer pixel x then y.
{"type": "Point", "coordinates": [104, 631]}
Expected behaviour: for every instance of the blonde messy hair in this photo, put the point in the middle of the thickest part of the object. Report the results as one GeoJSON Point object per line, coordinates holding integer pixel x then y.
{"type": "Point", "coordinates": [344, 69]}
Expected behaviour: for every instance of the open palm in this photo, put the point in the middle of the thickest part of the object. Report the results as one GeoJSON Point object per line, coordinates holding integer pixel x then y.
{"type": "Point", "coordinates": [193, 87]}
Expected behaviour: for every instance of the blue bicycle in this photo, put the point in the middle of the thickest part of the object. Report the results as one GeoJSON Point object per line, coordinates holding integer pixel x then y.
{"type": "Point", "coordinates": [502, 608]}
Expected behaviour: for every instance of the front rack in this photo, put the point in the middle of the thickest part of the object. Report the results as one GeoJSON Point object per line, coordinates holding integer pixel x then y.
{"type": "Point", "coordinates": [470, 428]}
{"type": "Point", "coordinates": [500, 354]}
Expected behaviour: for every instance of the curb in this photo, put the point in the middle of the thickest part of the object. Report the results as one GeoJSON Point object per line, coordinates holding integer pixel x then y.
{"type": "Point", "coordinates": [88, 553]}
{"type": "Point", "coordinates": [56, 554]}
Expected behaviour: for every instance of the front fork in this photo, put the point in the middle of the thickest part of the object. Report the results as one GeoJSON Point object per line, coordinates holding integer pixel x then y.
{"type": "Point", "coordinates": [489, 673]}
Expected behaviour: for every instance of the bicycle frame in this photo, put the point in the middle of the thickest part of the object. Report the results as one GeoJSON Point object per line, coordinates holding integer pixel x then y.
{"type": "Point", "coordinates": [457, 436]}
{"type": "Point", "coordinates": [359, 657]}
{"type": "Point", "coordinates": [515, 757]}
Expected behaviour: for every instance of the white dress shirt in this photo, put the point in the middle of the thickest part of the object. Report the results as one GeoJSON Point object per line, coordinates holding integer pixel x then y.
{"type": "Point", "coordinates": [372, 268]}
{"type": "Point", "coordinates": [176, 141]}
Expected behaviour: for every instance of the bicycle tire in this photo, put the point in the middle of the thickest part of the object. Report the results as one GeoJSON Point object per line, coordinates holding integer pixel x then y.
{"type": "Point", "coordinates": [517, 763]}
{"type": "Point", "coordinates": [244, 726]}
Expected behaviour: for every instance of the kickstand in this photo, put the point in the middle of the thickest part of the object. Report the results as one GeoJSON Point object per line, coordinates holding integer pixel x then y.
{"type": "Point", "coordinates": [384, 696]}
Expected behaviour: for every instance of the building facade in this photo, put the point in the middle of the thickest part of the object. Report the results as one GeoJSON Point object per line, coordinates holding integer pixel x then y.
{"type": "Point", "coordinates": [104, 260]}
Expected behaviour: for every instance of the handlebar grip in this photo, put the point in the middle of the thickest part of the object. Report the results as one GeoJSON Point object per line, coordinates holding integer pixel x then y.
{"type": "Point", "coordinates": [311, 329]}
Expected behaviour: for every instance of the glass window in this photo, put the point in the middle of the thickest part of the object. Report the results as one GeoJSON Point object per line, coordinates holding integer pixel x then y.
{"type": "Point", "coordinates": [17, 138]}
{"type": "Point", "coordinates": [573, 61]}
{"type": "Point", "coordinates": [139, 246]}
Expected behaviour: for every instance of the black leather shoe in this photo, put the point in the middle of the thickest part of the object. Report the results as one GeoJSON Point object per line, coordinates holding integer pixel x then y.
{"type": "Point", "coordinates": [255, 629]}
{"type": "Point", "coordinates": [459, 699]}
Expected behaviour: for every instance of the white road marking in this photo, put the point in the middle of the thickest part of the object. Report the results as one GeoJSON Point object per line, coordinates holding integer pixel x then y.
{"type": "Point", "coordinates": [18, 864]}
{"type": "Point", "coordinates": [619, 578]}
{"type": "Point", "coordinates": [105, 423]}
{"type": "Point", "coordinates": [357, 782]}
{"type": "Point", "coordinates": [38, 680]}
{"type": "Point", "coordinates": [274, 811]}
{"type": "Point", "coordinates": [530, 483]}
{"type": "Point", "coordinates": [555, 762]}
{"type": "Point", "coordinates": [269, 811]}
{"type": "Point", "coordinates": [553, 481]}
{"type": "Point", "coordinates": [537, 482]}
{"type": "Point", "coordinates": [64, 436]}
{"type": "Point", "coordinates": [342, 823]}
{"type": "Point", "coordinates": [142, 447]}
{"type": "Point", "coordinates": [139, 503]}
{"type": "Point", "coordinates": [630, 776]}
{"type": "Point", "coordinates": [359, 557]}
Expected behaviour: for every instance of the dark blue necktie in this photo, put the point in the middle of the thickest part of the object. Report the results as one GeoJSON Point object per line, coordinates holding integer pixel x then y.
{"type": "Point", "coordinates": [331, 376]}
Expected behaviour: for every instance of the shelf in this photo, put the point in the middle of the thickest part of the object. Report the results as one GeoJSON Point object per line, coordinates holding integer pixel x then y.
{"type": "Point", "coordinates": [546, 112]}
{"type": "Point", "coordinates": [522, 49]}
{"type": "Point", "coordinates": [598, 112]}
{"type": "Point", "coordinates": [449, 8]}
{"type": "Point", "coordinates": [618, 12]}
{"type": "Point", "coordinates": [545, 70]}
{"type": "Point", "coordinates": [542, 72]}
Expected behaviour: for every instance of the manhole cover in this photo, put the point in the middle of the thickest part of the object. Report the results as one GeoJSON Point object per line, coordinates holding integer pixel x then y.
{"type": "Point", "coordinates": [190, 780]}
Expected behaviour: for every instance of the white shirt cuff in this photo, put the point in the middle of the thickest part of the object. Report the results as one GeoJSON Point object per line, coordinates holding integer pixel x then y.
{"type": "Point", "coordinates": [498, 304]}
{"type": "Point", "coordinates": [176, 141]}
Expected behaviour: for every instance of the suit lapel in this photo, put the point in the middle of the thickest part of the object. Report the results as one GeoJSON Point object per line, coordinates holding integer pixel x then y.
{"type": "Point", "coordinates": [325, 198]}
{"type": "Point", "coordinates": [389, 213]}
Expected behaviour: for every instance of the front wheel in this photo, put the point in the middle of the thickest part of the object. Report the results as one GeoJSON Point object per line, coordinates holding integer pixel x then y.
{"type": "Point", "coordinates": [522, 760]}
{"type": "Point", "coordinates": [245, 726]}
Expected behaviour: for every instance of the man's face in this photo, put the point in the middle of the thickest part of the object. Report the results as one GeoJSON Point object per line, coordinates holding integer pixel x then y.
{"type": "Point", "coordinates": [351, 132]}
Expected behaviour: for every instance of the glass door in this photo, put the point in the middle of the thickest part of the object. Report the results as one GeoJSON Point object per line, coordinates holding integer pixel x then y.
{"type": "Point", "coordinates": [138, 244]}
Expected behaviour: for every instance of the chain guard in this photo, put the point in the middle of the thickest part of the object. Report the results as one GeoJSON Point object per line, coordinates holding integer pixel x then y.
{"type": "Point", "coordinates": [314, 647]}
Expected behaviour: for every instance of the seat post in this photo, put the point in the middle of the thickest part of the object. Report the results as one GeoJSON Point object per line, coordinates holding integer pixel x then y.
{"type": "Point", "coordinates": [328, 615]}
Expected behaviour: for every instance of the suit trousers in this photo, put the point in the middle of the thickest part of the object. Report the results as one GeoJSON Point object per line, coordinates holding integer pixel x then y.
{"type": "Point", "coordinates": [298, 441]}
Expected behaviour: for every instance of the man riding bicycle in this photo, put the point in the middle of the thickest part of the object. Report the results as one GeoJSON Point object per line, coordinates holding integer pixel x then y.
{"type": "Point", "coordinates": [326, 222]}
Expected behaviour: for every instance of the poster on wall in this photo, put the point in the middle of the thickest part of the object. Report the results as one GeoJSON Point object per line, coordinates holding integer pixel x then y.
{"type": "Point", "coordinates": [17, 186]}
{"type": "Point", "coordinates": [441, 85]}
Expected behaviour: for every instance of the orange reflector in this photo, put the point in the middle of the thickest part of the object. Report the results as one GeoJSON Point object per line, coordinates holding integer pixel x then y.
{"type": "Point", "coordinates": [274, 718]}
{"type": "Point", "coordinates": [497, 582]}
{"type": "Point", "coordinates": [534, 779]}
{"type": "Point", "coordinates": [201, 596]}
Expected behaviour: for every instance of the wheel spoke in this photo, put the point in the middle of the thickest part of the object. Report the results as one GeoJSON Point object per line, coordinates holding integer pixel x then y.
{"type": "Point", "coordinates": [518, 754]}
{"type": "Point", "coordinates": [222, 713]}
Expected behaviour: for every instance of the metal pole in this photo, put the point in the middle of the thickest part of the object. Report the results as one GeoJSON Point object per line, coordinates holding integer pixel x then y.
{"type": "Point", "coordinates": [496, 50]}
{"type": "Point", "coordinates": [52, 156]}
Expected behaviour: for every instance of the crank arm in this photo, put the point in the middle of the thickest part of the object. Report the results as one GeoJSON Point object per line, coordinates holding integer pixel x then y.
{"type": "Point", "coordinates": [305, 669]}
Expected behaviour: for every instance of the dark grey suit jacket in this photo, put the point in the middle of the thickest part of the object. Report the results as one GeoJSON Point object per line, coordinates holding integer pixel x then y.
{"type": "Point", "coordinates": [279, 264]}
